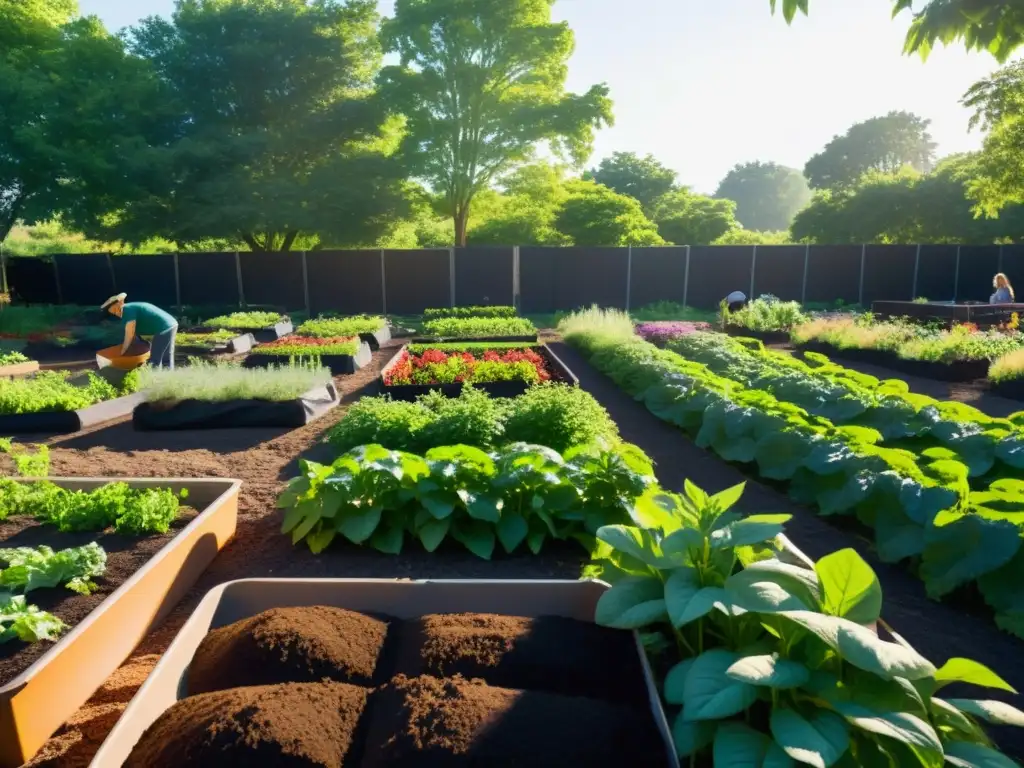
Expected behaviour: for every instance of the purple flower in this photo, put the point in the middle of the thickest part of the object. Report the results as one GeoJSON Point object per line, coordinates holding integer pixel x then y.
{"type": "Point", "coordinates": [665, 331]}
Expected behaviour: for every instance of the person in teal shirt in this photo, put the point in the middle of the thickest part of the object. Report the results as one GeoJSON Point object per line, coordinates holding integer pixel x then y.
{"type": "Point", "coordinates": [143, 319]}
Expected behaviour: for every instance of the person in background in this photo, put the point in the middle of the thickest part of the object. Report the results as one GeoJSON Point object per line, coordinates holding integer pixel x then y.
{"type": "Point", "coordinates": [1004, 291]}
{"type": "Point", "coordinates": [143, 319]}
{"type": "Point", "coordinates": [736, 300]}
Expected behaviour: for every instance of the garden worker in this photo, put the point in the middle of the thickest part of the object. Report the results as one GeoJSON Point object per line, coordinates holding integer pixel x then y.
{"type": "Point", "coordinates": [1004, 291]}
{"type": "Point", "coordinates": [143, 319]}
{"type": "Point", "coordinates": [736, 300]}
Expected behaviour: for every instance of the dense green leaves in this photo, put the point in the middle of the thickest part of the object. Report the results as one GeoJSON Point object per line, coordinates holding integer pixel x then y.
{"type": "Point", "coordinates": [23, 569]}
{"type": "Point", "coordinates": [767, 195]}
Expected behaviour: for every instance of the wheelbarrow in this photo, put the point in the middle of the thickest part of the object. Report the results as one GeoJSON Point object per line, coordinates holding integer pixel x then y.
{"type": "Point", "coordinates": [113, 366]}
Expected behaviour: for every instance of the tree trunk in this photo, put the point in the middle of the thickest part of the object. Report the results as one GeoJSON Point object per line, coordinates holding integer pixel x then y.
{"type": "Point", "coordinates": [250, 240]}
{"type": "Point", "coordinates": [461, 221]}
{"type": "Point", "coordinates": [289, 239]}
{"type": "Point", "coordinates": [7, 222]}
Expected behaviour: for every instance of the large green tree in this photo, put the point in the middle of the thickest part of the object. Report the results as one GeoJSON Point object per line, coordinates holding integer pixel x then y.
{"type": "Point", "coordinates": [883, 144]}
{"type": "Point", "coordinates": [767, 195]}
{"type": "Point", "coordinates": [482, 84]}
{"type": "Point", "coordinates": [525, 213]}
{"type": "Point", "coordinates": [593, 214]}
{"type": "Point", "coordinates": [996, 26]}
{"type": "Point", "coordinates": [71, 101]}
{"type": "Point", "coordinates": [271, 134]}
{"type": "Point", "coordinates": [629, 174]}
{"type": "Point", "coordinates": [685, 218]}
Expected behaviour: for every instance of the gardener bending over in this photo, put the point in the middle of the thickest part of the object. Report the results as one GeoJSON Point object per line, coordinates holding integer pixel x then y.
{"type": "Point", "coordinates": [143, 319]}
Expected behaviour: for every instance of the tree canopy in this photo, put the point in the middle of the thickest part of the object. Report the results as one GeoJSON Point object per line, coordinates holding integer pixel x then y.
{"type": "Point", "coordinates": [767, 195]}
{"type": "Point", "coordinates": [883, 144]}
{"type": "Point", "coordinates": [685, 218]}
{"type": "Point", "coordinates": [996, 26]}
{"type": "Point", "coordinates": [482, 84]}
{"type": "Point", "coordinates": [593, 214]}
{"type": "Point", "coordinates": [643, 178]}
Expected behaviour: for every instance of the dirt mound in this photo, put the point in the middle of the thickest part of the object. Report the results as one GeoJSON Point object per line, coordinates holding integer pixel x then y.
{"type": "Point", "coordinates": [549, 653]}
{"type": "Point", "coordinates": [426, 722]}
{"type": "Point", "coordinates": [306, 724]}
{"type": "Point", "coordinates": [289, 645]}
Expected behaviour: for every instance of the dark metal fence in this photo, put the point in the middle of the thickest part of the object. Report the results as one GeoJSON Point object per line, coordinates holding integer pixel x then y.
{"type": "Point", "coordinates": [535, 279]}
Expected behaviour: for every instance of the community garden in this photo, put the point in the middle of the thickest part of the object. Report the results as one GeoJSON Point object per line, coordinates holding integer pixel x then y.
{"type": "Point", "coordinates": [726, 548]}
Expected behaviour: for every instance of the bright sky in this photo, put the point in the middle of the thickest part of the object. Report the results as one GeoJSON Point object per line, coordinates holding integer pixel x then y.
{"type": "Point", "coordinates": [705, 84]}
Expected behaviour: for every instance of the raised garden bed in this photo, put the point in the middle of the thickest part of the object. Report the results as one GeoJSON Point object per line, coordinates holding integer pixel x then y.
{"type": "Point", "coordinates": [374, 330]}
{"type": "Point", "coordinates": [236, 345]}
{"type": "Point", "coordinates": [959, 370]}
{"type": "Point", "coordinates": [948, 312]}
{"type": "Point", "coordinates": [523, 339]}
{"type": "Point", "coordinates": [18, 369]}
{"type": "Point", "coordinates": [555, 370]}
{"type": "Point", "coordinates": [478, 329]}
{"type": "Point", "coordinates": [238, 322]}
{"type": "Point", "coordinates": [198, 414]}
{"type": "Point", "coordinates": [148, 576]}
{"type": "Point", "coordinates": [70, 419]}
{"type": "Point", "coordinates": [549, 726]}
{"type": "Point", "coordinates": [339, 364]}
{"type": "Point", "coordinates": [1011, 388]}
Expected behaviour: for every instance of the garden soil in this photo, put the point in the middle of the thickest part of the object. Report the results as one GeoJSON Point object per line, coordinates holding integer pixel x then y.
{"type": "Point", "coordinates": [264, 459]}
{"type": "Point", "coordinates": [311, 724]}
{"type": "Point", "coordinates": [125, 555]}
{"type": "Point", "coordinates": [289, 645]}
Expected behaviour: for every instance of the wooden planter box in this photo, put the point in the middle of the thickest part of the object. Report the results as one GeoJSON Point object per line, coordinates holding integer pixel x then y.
{"type": "Point", "coordinates": [66, 422]}
{"type": "Point", "coordinates": [235, 414]}
{"type": "Point", "coordinates": [236, 346]}
{"type": "Point", "coordinates": [39, 700]}
{"type": "Point", "coordinates": [18, 369]}
{"type": "Point", "coordinates": [559, 373]}
{"type": "Point", "coordinates": [340, 365]}
{"type": "Point", "coordinates": [378, 338]}
{"type": "Point", "coordinates": [273, 332]}
{"type": "Point", "coordinates": [961, 370]}
{"type": "Point", "coordinates": [402, 599]}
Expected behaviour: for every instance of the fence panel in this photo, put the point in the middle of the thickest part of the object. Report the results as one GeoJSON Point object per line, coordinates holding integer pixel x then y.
{"type": "Point", "coordinates": [659, 274]}
{"type": "Point", "coordinates": [149, 277]}
{"type": "Point", "coordinates": [936, 273]}
{"type": "Point", "coordinates": [208, 279]}
{"type": "Point", "coordinates": [779, 270]}
{"type": "Point", "coordinates": [537, 279]}
{"type": "Point", "coordinates": [483, 276]}
{"type": "Point", "coordinates": [273, 280]}
{"type": "Point", "coordinates": [590, 275]}
{"type": "Point", "coordinates": [716, 271]}
{"type": "Point", "coordinates": [32, 280]}
{"type": "Point", "coordinates": [978, 265]}
{"type": "Point", "coordinates": [833, 274]}
{"type": "Point", "coordinates": [889, 273]}
{"type": "Point", "coordinates": [417, 280]}
{"type": "Point", "coordinates": [1013, 266]}
{"type": "Point", "coordinates": [347, 282]}
{"type": "Point", "coordinates": [84, 278]}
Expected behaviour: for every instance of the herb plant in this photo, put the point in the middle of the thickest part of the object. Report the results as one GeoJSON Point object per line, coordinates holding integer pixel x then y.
{"type": "Point", "coordinates": [244, 321]}
{"type": "Point", "coordinates": [1009, 367]}
{"type": "Point", "coordinates": [777, 664]}
{"type": "Point", "coordinates": [462, 312]}
{"type": "Point", "coordinates": [50, 391]}
{"type": "Point", "coordinates": [220, 382]}
{"type": "Point", "coordinates": [479, 327]}
{"type": "Point", "coordinates": [206, 341]}
{"type": "Point", "coordinates": [23, 569]}
{"type": "Point", "coordinates": [12, 358]}
{"type": "Point", "coordinates": [766, 314]}
{"type": "Point", "coordinates": [332, 327]}
{"type": "Point", "coordinates": [309, 346]}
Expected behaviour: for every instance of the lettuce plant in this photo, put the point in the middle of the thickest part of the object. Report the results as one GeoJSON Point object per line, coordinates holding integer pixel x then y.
{"type": "Point", "coordinates": [479, 327]}
{"type": "Point", "coordinates": [21, 621]}
{"type": "Point", "coordinates": [443, 312]}
{"type": "Point", "coordinates": [776, 663]}
{"type": "Point", "coordinates": [28, 568]}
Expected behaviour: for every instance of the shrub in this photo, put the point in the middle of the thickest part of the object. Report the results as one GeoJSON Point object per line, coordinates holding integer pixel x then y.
{"type": "Point", "coordinates": [1009, 367]}
{"type": "Point", "coordinates": [559, 417]}
{"type": "Point", "coordinates": [463, 312]}
{"type": "Point", "coordinates": [382, 420]}
{"type": "Point", "coordinates": [475, 418]}
{"type": "Point", "coordinates": [333, 327]}
{"type": "Point", "coordinates": [244, 321]}
{"type": "Point", "coordinates": [219, 382]}
{"type": "Point", "coordinates": [479, 327]}
{"type": "Point", "coordinates": [12, 358]}
{"type": "Point", "coordinates": [765, 315]}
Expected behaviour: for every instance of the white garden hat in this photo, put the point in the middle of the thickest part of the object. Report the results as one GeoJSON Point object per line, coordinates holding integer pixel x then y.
{"type": "Point", "coordinates": [113, 300]}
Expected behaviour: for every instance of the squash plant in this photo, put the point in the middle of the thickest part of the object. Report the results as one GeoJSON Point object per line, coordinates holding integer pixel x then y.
{"type": "Point", "coordinates": [519, 495]}
{"type": "Point", "coordinates": [779, 664]}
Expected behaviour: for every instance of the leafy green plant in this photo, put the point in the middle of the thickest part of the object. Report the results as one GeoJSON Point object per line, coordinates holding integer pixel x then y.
{"type": "Point", "coordinates": [220, 382]}
{"type": "Point", "coordinates": [27, 463]}
{"type": "Point", "coordinates": [308, 347]}
{"type": "Point", "coordinates": [21, 621]}
{"type": "Point", "coordinates": [475, 348]}
{"type": "Point", "coordinates": [331, 327]}
{"type": "Point", "coordinates": [521, 494]}
{"type": "Point", "coordinates": [479, 327]}
{"type": "Point", "coordinates": [775, 662]}
{"type": "Point", "coordinates": [766, 315]}
{"type": "Point", "coordinates": [559, 417]}
{"type": "Point", "coordinates": [207, 341]}
{"type": "Point", "coordinates": [462, 312]}
{"type": "Point", "coordinates": [12, 358]}
{"type": "Point", "coordinates": [23, 569]}
{"type": "Point", "coordinates": [50, 391]}
{"type": "Point", "coordinates": [1008, 367]}
{"type": "Point", "coordinates": [244, 321]}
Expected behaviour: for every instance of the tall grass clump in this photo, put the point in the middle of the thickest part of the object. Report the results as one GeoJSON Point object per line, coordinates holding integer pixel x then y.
{"type": "Point", "coordinates": [1009, 367]}
{"type": "Point", "coordinates": [768, 314]}
{"type": "Point", "coordinates": [853, 333]}
{"type": "Point", "coordinates": [594, 322]}
{"type": "Point", "coordinates": [219, 382]}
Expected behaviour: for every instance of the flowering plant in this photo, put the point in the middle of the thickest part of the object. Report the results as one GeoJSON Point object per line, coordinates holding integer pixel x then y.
{"type": "Point", "coordinates": [661, 332]}
{"type": "Point", "coordinates": [435, 366]}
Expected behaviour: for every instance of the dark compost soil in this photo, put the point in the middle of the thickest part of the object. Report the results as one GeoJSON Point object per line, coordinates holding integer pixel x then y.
{"type": "Point", "coordinates": [282, 725]}
{"type": "Point", "coordinates": [289, 645]}
{"type": "Point", "coordinates": [125, 555]}
{"type": "Point", "coordinates": [549, 653]}
{"type": "Point", "coordinates": [263, 459]}
{"type": "Point", "coordinates": [426, 722]}
{"type": "Point", "coordinates": [936, 630]}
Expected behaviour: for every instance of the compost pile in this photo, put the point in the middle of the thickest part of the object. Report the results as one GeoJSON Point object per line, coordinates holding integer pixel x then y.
{"type": "Point", "coordinates": [322, 686]}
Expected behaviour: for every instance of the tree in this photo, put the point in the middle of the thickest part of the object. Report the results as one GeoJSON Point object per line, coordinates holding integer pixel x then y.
{"type": "Point", "coordinates": [525, 214]}
{"type": "Point", "coordinates": [482, 84]}
{"type": "Point", "coordinates": [685, 218]}
{"type": "Point", "coordinates": [767, 195]}
{"type": "Point", "coordinates": [629, 174]}
{"type": "Point", "coordinates": [740, 236]}
{"type": "Point", "coordinates": [593, 214]}
{"type": "Point", "coordinates": [996, 26]}
{"type": "Point", "coordinates": [271, 134]}
{"type": "Point", "coordinates": [70, 101]}
{"type": "Point", "coordinates": [883, 144]}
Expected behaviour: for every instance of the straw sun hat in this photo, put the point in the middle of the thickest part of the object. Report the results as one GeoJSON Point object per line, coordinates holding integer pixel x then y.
{"type": "Point", "coordinates": [113, 300]}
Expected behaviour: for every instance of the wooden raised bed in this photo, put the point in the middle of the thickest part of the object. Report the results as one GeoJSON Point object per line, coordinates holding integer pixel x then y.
{"type": "Point", "coordinates": [66, 422]}
{"type": "Point", "coordinates": [18, 369]}
{"type": "Point", "coordinates": [339, 365]}
{"type": "Point", "coordinates": [378, 338]}
{"type": "Point", "coordinates": [278, 330]}
{"type": "Point", "coordinates": [242, 343]}
{"type": "Point", "coordinates": [400, 599]}
{"type": "Point", "coordinates": [233, 414]}
{"type": "Point", "coordinates": [39, 700]}
{"type": "Point", "coordinates": [960, 370]}
{"type": "Point", "coordinates": [559, 373]}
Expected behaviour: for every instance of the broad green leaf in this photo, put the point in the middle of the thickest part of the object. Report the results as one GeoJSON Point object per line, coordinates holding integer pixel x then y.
{"type": "Point", "coordinates": [967, 671]}
{"type": "Point", "coordinates": [478, 537]}
{"type": "Point", "coordinates": [635, 542]}
{"type": "Point", "coordinates": [484, 508]}
{"type": "Point", "coordinates": [750, 530]}
{"type": "Point", "coordinates": [705, 601]}
{"type": "Point", "coordinates": [862, 648]}
{"type": "Point", "coordinates": [633, 602]}
{"type": "Point", "coordinates": [945, 716]}
{"type": "Point", "coordinates": [753, 591]}
{"type": "Point", "coordinates": [656, 509]}
{"type": "Point", "coordinates": [357, 528]}
{"type": "Point", "coordinates": [318, 542]}
{"type": "Point", "coordinates": [739, 746]}
{"type": "Point", "coordinates": [819, 739]}
{"type": "Point", "coordinates": [725, 500]}
{"type": "Point", "coordinates": [432, 533]}
{"type": "Point", "coordinates": [901, 726]}
{"type": "Point", "coordinates": [680, 589]}
{"type": "Point", "coordinates": [993, 711]}
{"type": "Point", "coordinates": [964, 754]}
{"type": "Point", "coordinates": [797, 580]}
{"type": "Point", "coordinates": [961, 552]}
{"type": "Point", "coordinates": [681, 542]}
{"type": "Point", "coordinates": [388, 539]}
{"type": "Point", "coordinates": [691, 736]}
{"type": "Point", "coordinates": [770, 671]}
{"type": "Point", "coordinates": [710, 694]}
{"type": "Point", "coordinates": [440, 505]}
{"type": "Point", "coordinates": [850, 588]}
{"type": "Point", "coordinates": [511, 530]}
{"type": "Point", "coordinates": [675, 681]}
